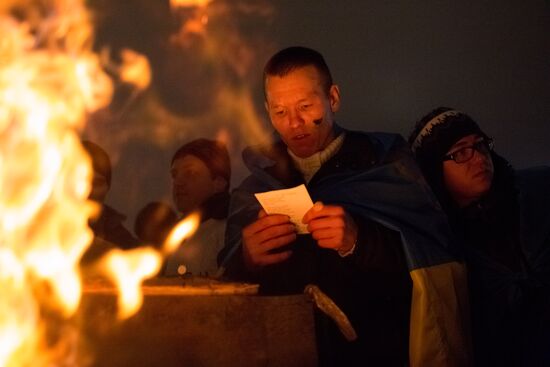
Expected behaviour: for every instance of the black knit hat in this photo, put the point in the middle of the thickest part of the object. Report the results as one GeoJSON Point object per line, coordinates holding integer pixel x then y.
{"type": "Point", "coordinates": [213, 153]}
{"type": "Point", "coordinates": [433, 136]}
{"type": "Point", "coordinates": [438, 131]}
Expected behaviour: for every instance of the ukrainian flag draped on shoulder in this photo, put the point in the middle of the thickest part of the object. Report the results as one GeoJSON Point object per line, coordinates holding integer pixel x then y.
{"type": "Point", "coordinates": [394, 194]}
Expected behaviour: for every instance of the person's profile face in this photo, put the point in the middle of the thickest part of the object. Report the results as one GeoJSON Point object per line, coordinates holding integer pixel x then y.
{"type": "Point", "coordinates": [468, 181]}
{"type": "Point", "coordinates": [301, 111]}
{"type": "Point", "coordinates": [192, 183]}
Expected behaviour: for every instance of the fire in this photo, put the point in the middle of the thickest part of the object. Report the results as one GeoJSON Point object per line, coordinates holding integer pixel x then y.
{"type": "Point", "coordinates": [128, 269]}
{"type": "Point", "coordinates": [181, 231]}
{"type": "Point", "coordinates": [135, 69]}
{"type": "Point", "coordinates": [195, 25]}
{"type": "Point", "coordinates": [50, 80]}
{"type": "Point", "coordinates": [188, 3]}
{"type": "Point", "coordinates": [44, 173]}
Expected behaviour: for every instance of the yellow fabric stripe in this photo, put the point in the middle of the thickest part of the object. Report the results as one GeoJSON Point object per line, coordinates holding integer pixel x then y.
{"type": "Point", "coordinates": [440, 317]}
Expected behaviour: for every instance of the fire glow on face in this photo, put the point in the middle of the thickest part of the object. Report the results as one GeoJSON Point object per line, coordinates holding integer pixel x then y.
{"type": "Point", "coordinates": [50, 81]}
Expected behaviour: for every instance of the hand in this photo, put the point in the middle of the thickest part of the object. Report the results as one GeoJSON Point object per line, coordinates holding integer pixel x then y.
{"type": "Point", "coordinates": [267, 233]}
{"type": "Point", "coordinates": [331, 226]}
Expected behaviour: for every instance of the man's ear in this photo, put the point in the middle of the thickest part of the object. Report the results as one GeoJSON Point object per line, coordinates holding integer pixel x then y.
{"type": "Point", "coordinates": [220, 184]}
{"type": "Point", "coordinates": [334, 98]}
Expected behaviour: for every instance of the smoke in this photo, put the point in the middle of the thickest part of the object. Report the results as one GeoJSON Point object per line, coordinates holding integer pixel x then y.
{"type": "Point", "coordinates": [206, 62]}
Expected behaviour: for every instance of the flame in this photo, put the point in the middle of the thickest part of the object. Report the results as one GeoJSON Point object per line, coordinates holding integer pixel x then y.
{"type": "Point", "coordinates": [182, 230]}
{"type": "Point", "coordinates": [128, 269]}
{"type": "Point", "coordinates": [189, 3]}
{"type": "Point", "coordinates": [50, 80]}
{"type": "Point", "coordinates": [44, 172]}
{"type": "Point", "coordinates": [135, 69]}
{"type": "Point", "coordinates": [195, 25]}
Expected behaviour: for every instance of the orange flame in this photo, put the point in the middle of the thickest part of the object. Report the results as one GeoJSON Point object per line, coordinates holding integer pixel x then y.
{"type": "Point", "coordinates": [49, 81]}
{"type": "Point", "coordinates": [188, 3]}
{"type": "Point", "coordinates": [128, 269]}
{"type": "Point", "coordinates": [135, 69]}
{"type": "Point", "coordinates": [184, 229]}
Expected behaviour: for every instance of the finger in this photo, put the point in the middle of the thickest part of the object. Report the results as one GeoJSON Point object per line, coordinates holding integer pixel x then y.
{"type": "Point", "coordinates": [256, 253]}
{"type": "Point", "coordinates": [274, 232]}
{"type": "Point", "coordinates": [265, 222]}
{"type": "Point", "coordinates": [331, 243]}
{"type": "Point", "coordinates": [324, 234]}
{"type": "Point", "coordinates": [326, 222]}
{"type": "Point", "coordinates": [278, 242]}
{"type": "Point", "coordinates": [315, 208]}
{"type": "Point", "coordinates": [324, 211]}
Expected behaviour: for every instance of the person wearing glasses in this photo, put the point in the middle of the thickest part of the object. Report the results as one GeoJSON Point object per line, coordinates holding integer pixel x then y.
{"type": "Point", "coordinates": [502, 218]}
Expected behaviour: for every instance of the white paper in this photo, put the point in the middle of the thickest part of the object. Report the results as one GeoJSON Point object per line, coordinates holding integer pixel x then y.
{"type": "Point", "coordinates": [294, 202]}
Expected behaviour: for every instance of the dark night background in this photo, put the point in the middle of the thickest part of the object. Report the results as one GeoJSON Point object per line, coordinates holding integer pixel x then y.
{"type": "Point", "coordinates": [393, 60]}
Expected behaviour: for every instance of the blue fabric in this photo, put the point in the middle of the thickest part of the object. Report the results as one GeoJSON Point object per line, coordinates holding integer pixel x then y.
{"type": "Point", "coordinates": [392, 193]}
{"type": "Point", "coordinates": [376, 179]}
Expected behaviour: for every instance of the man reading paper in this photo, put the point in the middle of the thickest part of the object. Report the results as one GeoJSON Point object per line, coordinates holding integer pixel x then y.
{"type": "Point", "coordinates": [377, 245]}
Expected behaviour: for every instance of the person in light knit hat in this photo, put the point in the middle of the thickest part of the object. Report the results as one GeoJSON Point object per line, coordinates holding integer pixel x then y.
{"type": "Point", "coordinates": [501, 216]}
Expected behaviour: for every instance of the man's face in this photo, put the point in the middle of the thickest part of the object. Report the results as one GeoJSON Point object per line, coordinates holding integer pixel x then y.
{"type": "Point", "coordinates": [468, 181]}
{"type": "Point", "coordinates": [301, 111]}
{"type": "Point", "coordinates": [192, 183]}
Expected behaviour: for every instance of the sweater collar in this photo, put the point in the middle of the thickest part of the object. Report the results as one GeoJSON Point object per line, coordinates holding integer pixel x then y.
{"type": "Point", "coordinates": [309, 166]}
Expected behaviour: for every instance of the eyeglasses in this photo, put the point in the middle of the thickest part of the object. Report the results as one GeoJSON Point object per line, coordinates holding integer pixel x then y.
{"type": "Point", "coordinates": [464, 154]}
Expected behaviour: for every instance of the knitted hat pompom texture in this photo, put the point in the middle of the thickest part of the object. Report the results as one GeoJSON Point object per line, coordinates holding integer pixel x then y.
{"type": "Point", "coordinates": [433, 136]}
{"type": "Point", "coordinates": [438, 131]}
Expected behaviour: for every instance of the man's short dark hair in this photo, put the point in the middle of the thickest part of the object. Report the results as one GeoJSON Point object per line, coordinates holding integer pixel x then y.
{"type": "Point", "coordinates": [291, 58]}
{"type": "Point", "coordinates": [213, 153]}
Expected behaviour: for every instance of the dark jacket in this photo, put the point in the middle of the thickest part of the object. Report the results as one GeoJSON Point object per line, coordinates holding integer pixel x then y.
{"type": "Point", "coordinates": [376, 181]}
{"type": "Point", "coordinates": [109, 233]}
{"type": "Point", "coordinates": [109, 227]}
{"type": "Point", "coordinates": [507, 240]}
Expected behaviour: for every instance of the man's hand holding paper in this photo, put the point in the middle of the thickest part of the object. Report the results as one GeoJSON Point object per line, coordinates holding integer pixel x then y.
{"type": "Point", "coordinates": [332, 227]}
{"type": "Point", "coordinates": [262, 239]}
{"type": "Point", "coordinates": [276, 227]}
{"type": "Point", "coordinates": [288, 212]}
{"type": "Point", "coordinates": [293, 202]}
